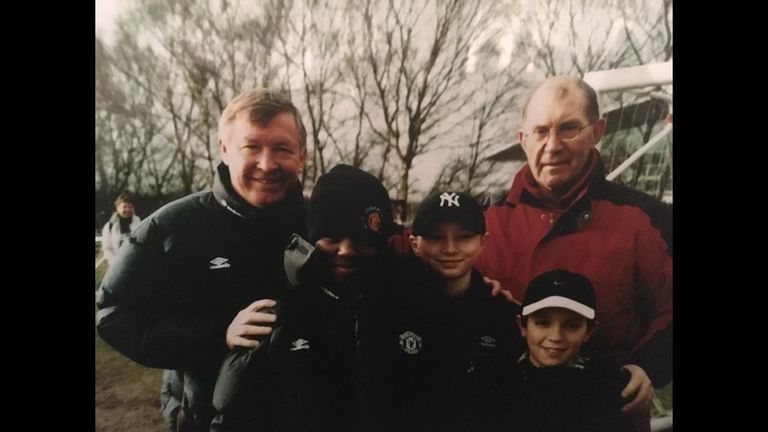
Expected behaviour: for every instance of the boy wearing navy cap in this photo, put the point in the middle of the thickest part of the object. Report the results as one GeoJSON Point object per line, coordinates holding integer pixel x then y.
{"type": "Point", "coordinates": [560, 390]}
{"type": "Point", "coordinates": [480, 342]}
{"type": "Point", "coordinates": [448, 234]}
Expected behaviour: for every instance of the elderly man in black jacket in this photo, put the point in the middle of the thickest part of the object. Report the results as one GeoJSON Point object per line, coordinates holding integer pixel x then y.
{"type": "Point", "coordinates": [191, 266]}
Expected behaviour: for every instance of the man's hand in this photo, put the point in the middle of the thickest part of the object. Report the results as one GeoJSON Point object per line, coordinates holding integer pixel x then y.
{"type": "Point", "coordinates": [249, 322]}
{"type": "Point", "coordinates": [496, 290]}
{"type": "Point", "coordinates": [639, 385]}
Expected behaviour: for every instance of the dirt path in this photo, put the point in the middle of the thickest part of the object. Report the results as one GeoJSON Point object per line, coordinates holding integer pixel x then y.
{"type": "Point", "coordinates": [127, 394]}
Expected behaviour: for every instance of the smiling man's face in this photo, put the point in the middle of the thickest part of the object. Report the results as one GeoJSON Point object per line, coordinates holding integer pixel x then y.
{"type": "Point", "coordinates": [264, 161]}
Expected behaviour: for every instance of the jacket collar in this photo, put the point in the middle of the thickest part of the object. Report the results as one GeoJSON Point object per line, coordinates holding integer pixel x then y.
{"type": "Point", "coordinates": [577, 362]}
{"type": "Point", "coordinates": [115, 219]}
{"type": "Point", "coordinates": [296, 259]}
{"type": "Point", "coordinates": [525, 189]}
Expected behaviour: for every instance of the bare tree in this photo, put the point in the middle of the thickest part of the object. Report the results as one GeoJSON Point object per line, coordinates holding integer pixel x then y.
{"type": "Point", "coordinates": [319, 58]}
{"type": "Point", "coordinates": [647, 33]}
{"type": "Point", "coordinates": [362, 144]}
{"type": "Point", "coordinates": [491, 108]}
{"type": "Point", "coordinates": [125, 124]}
{"type": "Point", "coordinates": [417, 54]}
{"type": "Point", "coordinates": [598, 35]}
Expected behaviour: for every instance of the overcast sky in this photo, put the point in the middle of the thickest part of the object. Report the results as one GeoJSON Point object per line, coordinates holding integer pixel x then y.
{"type": "Point", "coordinates": [106, 11]}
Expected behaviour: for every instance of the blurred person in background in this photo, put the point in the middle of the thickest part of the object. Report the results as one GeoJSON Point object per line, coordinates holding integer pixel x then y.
{"type": "Point", "coordinates": [116, 231]}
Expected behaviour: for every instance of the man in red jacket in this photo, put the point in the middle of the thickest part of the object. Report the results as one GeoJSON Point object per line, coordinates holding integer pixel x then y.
{"type": "Point", "coordinates": [561, 213]}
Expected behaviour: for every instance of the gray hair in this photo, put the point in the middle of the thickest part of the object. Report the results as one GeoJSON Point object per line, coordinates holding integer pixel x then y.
{"type": "Point", "coordinates": [262, 104]}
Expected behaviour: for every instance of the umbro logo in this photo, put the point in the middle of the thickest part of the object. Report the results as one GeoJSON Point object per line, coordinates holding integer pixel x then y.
{"type": "Point", "coordinates": [219, 263]}
{"type": "Point", "coordinates": [488, 341]}
{"type": "Point", "coordinates": [299, 344]}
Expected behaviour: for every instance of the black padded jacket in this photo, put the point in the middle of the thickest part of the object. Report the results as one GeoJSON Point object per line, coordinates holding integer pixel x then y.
{"type": "Point", "coordinates": [183, 276]}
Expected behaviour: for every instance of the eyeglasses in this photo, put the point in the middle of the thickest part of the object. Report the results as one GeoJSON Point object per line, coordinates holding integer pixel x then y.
{"type": "Point", "coordinates": [566, 132]}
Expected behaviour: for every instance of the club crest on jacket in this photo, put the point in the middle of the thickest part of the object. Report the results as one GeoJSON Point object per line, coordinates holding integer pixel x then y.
{"type": "Point", "coordinates": [410, 342]}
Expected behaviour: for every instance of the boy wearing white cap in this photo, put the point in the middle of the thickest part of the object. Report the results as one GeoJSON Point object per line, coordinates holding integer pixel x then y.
{"type": "Point", "coordinates": [560, 390]}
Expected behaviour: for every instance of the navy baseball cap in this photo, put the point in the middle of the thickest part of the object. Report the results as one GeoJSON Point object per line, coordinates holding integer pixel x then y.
{"type": "Point", "coordinates": [453, 206]}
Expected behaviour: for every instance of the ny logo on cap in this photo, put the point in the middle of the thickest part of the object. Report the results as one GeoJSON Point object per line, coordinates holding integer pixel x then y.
{"type": "Point", "coordinates": [450, 198]}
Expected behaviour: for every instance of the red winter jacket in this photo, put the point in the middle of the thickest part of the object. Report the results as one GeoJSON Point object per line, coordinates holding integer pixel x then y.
{"type": "Point", "coordinates": [620, 238]}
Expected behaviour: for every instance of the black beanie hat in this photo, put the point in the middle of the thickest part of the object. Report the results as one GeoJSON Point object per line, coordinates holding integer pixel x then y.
{"type": "Point", "coordinates": [349, 202]}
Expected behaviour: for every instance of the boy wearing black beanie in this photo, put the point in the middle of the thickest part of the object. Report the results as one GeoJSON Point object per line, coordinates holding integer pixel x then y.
{"type": "Point", "coordinates": [339, 356]}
